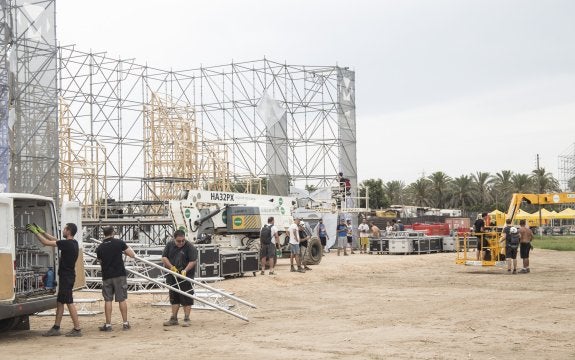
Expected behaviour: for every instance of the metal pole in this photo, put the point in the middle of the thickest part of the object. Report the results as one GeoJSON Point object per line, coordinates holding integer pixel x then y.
{"type": "Point", "coordinates": [207, 287]}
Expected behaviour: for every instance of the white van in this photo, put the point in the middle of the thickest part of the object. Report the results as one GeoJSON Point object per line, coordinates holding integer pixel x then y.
{"type": "Point", "coordinates": [25, 262]}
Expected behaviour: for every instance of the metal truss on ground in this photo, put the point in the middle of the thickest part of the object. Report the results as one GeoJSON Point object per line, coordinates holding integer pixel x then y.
{"type": "Point", "coordinates": [28, 98]}
{"type": "Point", "coordinates": [116, 103]}
{"type": "Point", "coordinates": [567, 169]}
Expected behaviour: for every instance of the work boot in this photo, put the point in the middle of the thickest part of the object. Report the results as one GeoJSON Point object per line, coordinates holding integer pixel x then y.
{"type": "Point", "coordinates": [292, 269]}
{"type": "Point", "coordinates": [186, 322]}
{"type": "Point", "coordinates": [345, 253]}
{"type": "Point", "coordinates": [74, 333]}
{"type": "Point", "coordinates": [300, 269]}
{"type": "Point", "coordinates": [105, 327]}
{"type": "Point", "coordinates": [172, 322]}
{"type": "Point", "coordinates": [54, 331]}
{"type": "Point", "coordinates": [338, 252]}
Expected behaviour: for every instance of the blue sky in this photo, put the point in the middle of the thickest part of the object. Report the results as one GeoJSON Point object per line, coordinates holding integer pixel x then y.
{"type": "Point", "coordinates": [453, 85]}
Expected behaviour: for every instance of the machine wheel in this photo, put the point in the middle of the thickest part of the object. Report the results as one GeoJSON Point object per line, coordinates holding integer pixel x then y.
{"type": "Point", "coordinates": [254, 245]}
{"type": "Point", "coordinates": [7, 324]}
{"type": "Point", "coordinates": [314, 252]}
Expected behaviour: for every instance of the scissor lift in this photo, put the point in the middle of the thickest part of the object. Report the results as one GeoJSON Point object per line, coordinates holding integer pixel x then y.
{"type": "Point", "coordinates": [491, 243]}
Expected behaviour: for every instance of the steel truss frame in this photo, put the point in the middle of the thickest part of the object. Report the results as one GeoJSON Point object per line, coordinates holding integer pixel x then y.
{"type": "Point", "coordinates": [567, 169]}
{"type": "Point", "coordinates": [109, 101]}
{"type": "Point", "coordinates": [28, 97]}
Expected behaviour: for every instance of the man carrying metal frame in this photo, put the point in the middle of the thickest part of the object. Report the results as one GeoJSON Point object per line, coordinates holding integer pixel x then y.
{"type": "Point", "coordinates": [180, 256]}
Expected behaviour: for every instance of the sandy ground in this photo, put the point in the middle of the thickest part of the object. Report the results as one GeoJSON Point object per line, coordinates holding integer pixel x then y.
{"type": "Point", "coordinates": [360, 306]}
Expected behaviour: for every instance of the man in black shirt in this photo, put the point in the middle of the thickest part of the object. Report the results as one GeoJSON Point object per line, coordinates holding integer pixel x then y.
{"type": "Point", "coordinates": [66, 274]}
{"type": "Point", "coordinates": [479, 227]}
{"type": "Point", "coordinates": [180, 256]}
{"type": "Point", "coordinates": [114, 281]}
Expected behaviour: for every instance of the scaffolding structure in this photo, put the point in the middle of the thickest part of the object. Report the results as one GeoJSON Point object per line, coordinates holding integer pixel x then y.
{"type": "Point", "coordinates": [28, 98]}
{"type": "Point", "coordinates": [176, 154]}
{"type": "Point", "coordinates": [82, 168]}
{"type": "Point", "coordinates": [567, 169]}
{"type": "Point", "coordinates": [152, 121]}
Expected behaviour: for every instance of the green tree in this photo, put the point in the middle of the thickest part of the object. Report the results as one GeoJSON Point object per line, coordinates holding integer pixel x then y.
{"type": "Point", "coordinates": [544, 182]}
{"type": "Point", "coordinates": [521, 183]}
{"type": "Point", "coordinates": [376, 194]}
{"type": "Point", "coordinates": [482, 184]}
{"type": "Point", "coordinates": [440, 188]}
{"type": "Point", "coordinates": [420, 193]}
{"type": "Point", "coordinates": [461, 192]}
{"type": "Point", "coordinates": [393, 191]}
{"type": "Point", "coordinates": [502, 189]}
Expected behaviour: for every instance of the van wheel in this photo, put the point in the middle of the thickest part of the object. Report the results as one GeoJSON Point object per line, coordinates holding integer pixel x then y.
{"type": "Point", "coordinates": [314, 252]}
{"type": "Point", "coordinates": [7, 324]}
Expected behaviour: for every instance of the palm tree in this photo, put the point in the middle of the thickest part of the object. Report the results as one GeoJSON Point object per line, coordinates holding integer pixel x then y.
{"type": "Point", "coordinates": [377, 198]}
{"type": "Point", "coordinates": [522, 183]}
{"type": "Point", "coordinates": [393, 191]}
{"type": "Point", "coordinates": [461, 192]}
{"type": "Point", "coordinates": [440, 185]}
{"type": "Point", "coordinates": [482, 183]}
{"type": "Point", "coordinates": [544, 182]}
{"type": "Point", "coordinates": [502, 187]}
{"type": "Point", "coordinates": [420, 192]}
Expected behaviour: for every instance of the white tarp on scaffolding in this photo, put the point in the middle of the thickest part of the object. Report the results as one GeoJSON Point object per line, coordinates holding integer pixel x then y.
{"type": "Point", "coordinates": [274, 117]}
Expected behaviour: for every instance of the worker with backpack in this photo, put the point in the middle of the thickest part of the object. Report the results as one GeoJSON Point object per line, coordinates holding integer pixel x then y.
{"type": "Point", "coordinates": [512, 239]}
{"type": "Point", "coordinates": [269, 237]}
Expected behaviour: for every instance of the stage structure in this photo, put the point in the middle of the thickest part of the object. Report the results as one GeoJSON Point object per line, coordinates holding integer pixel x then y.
{"type": "Point", "coordinates": [28, 98]}
{"type": "Point", "coordinates": [567, 169]}
{"type": "Point", "coordinates": [247, 126]}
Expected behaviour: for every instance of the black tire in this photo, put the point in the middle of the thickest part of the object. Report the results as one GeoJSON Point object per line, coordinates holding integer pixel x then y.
{"type": "Point", "coordinates": [254, 245]}
{"type": "Point", "coordinates": [7, 324]}
{"type": "Point", "coordinates": [314, 252]}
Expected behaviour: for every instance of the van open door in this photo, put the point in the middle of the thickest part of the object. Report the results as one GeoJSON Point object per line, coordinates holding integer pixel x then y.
{"type": "Point", "coordinates": [7, 272]}
{"type": "Point", "coordinates": [72, 213]}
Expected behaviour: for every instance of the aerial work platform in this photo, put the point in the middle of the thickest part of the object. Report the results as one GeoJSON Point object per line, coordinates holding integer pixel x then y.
{"type": "Point", "coordinates": [492, 249]}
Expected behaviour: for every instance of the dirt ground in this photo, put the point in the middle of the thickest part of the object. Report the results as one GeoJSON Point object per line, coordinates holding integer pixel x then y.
{"type": "Point", "coordinates": [359, 306]}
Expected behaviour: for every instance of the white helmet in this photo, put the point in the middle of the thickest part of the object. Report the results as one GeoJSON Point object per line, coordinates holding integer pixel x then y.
{"type": "Point", "coordinates": [513, 230]}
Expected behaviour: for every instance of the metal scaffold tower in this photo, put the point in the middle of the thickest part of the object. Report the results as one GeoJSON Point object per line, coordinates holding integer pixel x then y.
{"type": "Point", "coordinates": [567, 169]}
{"type": "Point", "coordinates": [28, 98]}
{"type": "Point", "coordinates": [176, 154]}
{"type": "Point", "coordinates": [239, 124]}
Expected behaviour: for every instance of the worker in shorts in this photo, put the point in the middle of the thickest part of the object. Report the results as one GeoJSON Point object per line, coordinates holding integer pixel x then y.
{"type": "Point", "coordinates": [294, 240]}
{"type": "Point", "coordinates": [341, 231]}
{"type": "Point", "coordinates": [180, 256]}
{"type": "Point", "coordinates": [114, 280]}
{"type": "Point", "coordinates": [512, 240]}
{"type": "Point", "coordinates": [303, 243]}
{"type": "Point", "coordinates": [68, 249]}
{"type": "Point", "coordinates": [363, 236]}
{"type": "Point", "coordinates": [350, 236]}
{"type": "Point", "coordinates": [269, 242]}
{"type": "Point", "coordinates": [526, 236]}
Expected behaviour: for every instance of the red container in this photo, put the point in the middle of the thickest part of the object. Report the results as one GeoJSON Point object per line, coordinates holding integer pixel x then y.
{"type": "Point", "coordinates": [432, 229]}
{"type": "Point", "coordinates": [461, 225]}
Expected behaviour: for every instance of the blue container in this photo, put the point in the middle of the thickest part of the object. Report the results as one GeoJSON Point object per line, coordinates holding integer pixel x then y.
{"type": "Point", "coordinates": [49, 283]}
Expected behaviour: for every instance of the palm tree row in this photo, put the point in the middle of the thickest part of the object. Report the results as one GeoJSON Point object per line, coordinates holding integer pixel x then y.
{"type": "Point", "coordinates": [474, 192]}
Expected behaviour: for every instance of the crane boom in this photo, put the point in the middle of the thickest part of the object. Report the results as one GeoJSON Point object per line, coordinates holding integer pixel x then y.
{"type": "Point", "coordinates": [537, 199]}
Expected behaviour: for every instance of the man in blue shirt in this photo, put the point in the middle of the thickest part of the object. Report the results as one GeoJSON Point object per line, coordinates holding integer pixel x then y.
{"type": "Point", "coordinates": [341, 237]}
